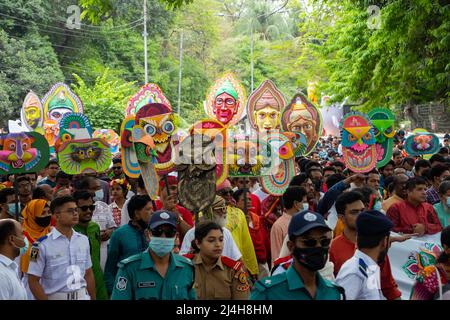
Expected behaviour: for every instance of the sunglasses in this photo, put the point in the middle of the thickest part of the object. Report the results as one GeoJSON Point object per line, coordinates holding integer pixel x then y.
{"type": "Point", "coordinates": [311, 242]}
{"type": "Point", "coordinates": [117, 168]}
{"type": "Point", "coordinates": [170, 233]}
{"type": "Point", "coordinates": [85, 208]}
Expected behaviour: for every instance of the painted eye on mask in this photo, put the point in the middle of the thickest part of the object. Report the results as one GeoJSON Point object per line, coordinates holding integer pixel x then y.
{"type": "Point", "coordinates": [351, 137]}
{"type": "Point", "coordinates": [367, 136]}
{"type": "Point", "coordinates": [168, 127]}
{"type": "Point", "coordinates": [376, 132]}
{"type": "Point", "coordinates": [389, 132]}
{"type": "Point", "coordinates": [150, 129]}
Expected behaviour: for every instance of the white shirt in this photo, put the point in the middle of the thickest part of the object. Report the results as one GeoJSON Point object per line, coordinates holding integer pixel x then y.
{"type": "Point", "coordinates": [10, 286]}
{"type": "Point", "coordinates": [230, 248]}
{"type": "Point", "coordinates": [61, 263]}
{"type": "Point", "coordinates": [103, 216]}
{"type": "Point", "coordinates": [360, 277]}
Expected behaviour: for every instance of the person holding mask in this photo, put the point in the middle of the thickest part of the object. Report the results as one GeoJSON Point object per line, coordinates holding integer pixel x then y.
{"type": "Point", "coordinates": [216, 277]}
{"type": "Point", "coordinates": [360, 275]}
{"type": "Point", "coordinates": [309, 241]}
{"type": "Point", "coordinates": [156, 273]}
{"type": "Point", "coordinates": [13, 243]}
{"type": "Point", "coordinates": [130, 238]}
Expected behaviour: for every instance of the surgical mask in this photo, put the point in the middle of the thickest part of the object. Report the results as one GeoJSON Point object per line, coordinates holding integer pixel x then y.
{"type": "Point", "coordinates": [377, 206]}
{"type": "Point", "coordinates": [305, 206]}
{"type": "Point", "coordinates": [161, 246]}
{"type": "Point", "coordinates": [448, 202]}
{"type": "Point", "coordinates": [98, 195]}
{"type": "Point", "coordinates": [313, 259]}
{"type": "Point", "coordinates": [24, 249]}
{"type": "Point", "coordinates": [12, 209]}
{"type": "Point", "coordinates": [43, 221]}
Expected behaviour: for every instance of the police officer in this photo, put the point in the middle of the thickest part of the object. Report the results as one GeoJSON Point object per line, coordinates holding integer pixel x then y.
{"type": "Point", "coordinates": [60, 262]}
{"type": "Point", "coordinates": [216, 277]}
{"type": "Point", "coordinates": [156, 273]}
{"type": "Point", "coordinates": [309, 241]}
{"type": "Point", "coordinates": [360, 275]}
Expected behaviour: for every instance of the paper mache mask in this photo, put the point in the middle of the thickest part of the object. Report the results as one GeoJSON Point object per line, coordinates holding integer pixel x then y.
{"type": "Point", "coordinates": [383, 122]}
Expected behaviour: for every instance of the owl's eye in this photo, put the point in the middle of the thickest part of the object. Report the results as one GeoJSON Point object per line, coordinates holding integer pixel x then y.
{"type": "Point", "coordinates": [351, 137]}
{"type": "Point", "coordinates": [367, 136]}
{"type": "Point", "coordinates": [150, 129]}
{"type": "Point", "coordinates": [388, 130]}
{"type": "Point", "coordinates": [375, 131]}
{"type": "Point", "coordinates": [168, 127]}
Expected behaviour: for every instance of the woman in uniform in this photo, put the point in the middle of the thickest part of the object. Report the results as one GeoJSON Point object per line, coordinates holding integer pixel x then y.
{"type": "Point", "coordinates": [216, 277]}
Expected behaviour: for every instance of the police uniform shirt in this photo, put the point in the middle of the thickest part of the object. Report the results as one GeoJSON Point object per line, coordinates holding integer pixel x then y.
{"type": "Point", "coordinates": [289, 286]}
{"type": "Point", "coordinates": [360, 277]}
{"type": "Point", "coordinates": [226, 280]}
{"type": "Point", "coordinates": [59, 262]}
{"type": "Point", "coordinates": [138, 279]}
{"type": "Point", "coordinates": [10, 286]}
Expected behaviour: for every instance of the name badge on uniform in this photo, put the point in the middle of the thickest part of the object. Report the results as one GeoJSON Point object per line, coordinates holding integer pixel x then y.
{"type": "Point", "coordinates": [148, 284]}
{"type": "Point", "coordinates": [34, 254]}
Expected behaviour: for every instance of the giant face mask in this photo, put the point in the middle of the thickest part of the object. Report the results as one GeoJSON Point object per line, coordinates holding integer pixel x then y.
{"type": "Point", "coordinates": [383, 122]}
{"type": "Point", "coordinates": [421, 143]}
{"type": "Point", "coordinates": [73, 126]}
{"type": "Point", "coordinates": [226, 100]}
{"type": "Point", "coordinates": [110, 136]}
{"type": "Point", "coordinates": [246, 157]}
{"type": "Point", "coordinates": [51, 132]}
{"type": "Point", "coordinates": [23, 152]}
{"type": "Point", "coordinates": [301, 116]}
{"type": "Point", "coordinates": [358, 142]}
{"type": "Point", "coordinates": [149, 93]}
{"type": "Point", "coordinates": [157, 120]}
{"type": "Point", "coordinates": [32, 111]}
{"type": "Point", "coordinates": [130, 162]}
{"type": "Point", "coordinates": [59, 101]}
{"type": "Point", "coordinates": [264, 107]}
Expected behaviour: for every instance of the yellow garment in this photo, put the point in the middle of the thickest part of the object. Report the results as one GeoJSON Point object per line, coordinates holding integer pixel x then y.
{"type": "Point", "coordinates": [32, 231]}
{"type": "Point", "coordinates": [237, 224]}
{"type": "Point", "coordinates": [338, 229]}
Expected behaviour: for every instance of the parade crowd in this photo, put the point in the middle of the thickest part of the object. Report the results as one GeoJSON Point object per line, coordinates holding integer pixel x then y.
{"type": "Point", "coordinates": [100, 236]}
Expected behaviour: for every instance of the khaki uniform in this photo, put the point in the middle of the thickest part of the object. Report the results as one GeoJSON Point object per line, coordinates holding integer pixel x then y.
{"type": "Point", "coordinates": [226, 280]}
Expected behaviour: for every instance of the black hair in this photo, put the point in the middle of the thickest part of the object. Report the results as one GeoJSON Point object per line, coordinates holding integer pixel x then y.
{"type": "Point", "coordinates": [387, 164]}
{"type": "Point", "coordinates": [445, 239]}
{"type": "Point", "coordinates": [83, 183]}
{"type": "Point", "coordinates": [436, 158]}
{"type": "Point", "coordinates": [366, 192]}
{"type": "Point", "coordinates": [346, 198]}
{"type": "Point", "coordinates": [303, 163]}
{"type": "Point", "coordinates": [23, 178]}
{"type": "Point", "coordinates": [7, 229]}
{"type": "Point", "coordinates": [202, 230]}
{"type": "Point", "coordinates": [117, 160]}
{"type": "Point", "coordinates": [141, 183]}
{"type": "Point", "coordinates": [298, 180]}
{"type": "Point", "coordinates": [82, 195]}
{"type": "Point", "coordinates": [444, 187]}
{"type": "Point", "coordinates": [373, 171]}
{"type": "Point", "coordinates": [137, 202]}
{"type": "Point", "coordinates": [338, 164]}
{"type": "Point", "coordinates": [413, 182]}
{"type": "Point", "coordinates": [4, 193]}
{"type": "Point", "coordinates": [443, 150]}
{"type": "Point", "coordinates": [59, 202]}
{"type": "Point", "coordinates": [292, 194]}
{"type": "Point", "coordinates": [409, 161]}
{"type": "Point", "coordinates": [329, 168]}
{"type": "Point", "coordinates": [311, 164]}
{"type": "Point", "coordinates": [237, 194]}
{"type": "Point", "coordinates": [396, 153]}
{"type": "Point", "coordinates": [388, 182]}
{"type": "Point", "coordinates": [422, 163]}
{"type": "Point", "coordinates": [52, 161]}
{"type": "Point", "coordinates": [437, 171]}
{"type": "Point", "coordinates": [333, 179]}
{"type": "Point", "coordinates": [38, 193]}
{"type": "Point", "coordinates": [369, 242]}
{"type": "Point", "coordinates": [62, 175]}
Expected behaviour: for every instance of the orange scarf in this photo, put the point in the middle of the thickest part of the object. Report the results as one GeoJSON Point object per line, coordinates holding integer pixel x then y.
{"type": "Point", "coordinates": [33, 232]}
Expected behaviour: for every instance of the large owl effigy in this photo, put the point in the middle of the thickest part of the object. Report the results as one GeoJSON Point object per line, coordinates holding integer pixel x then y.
{"type": "Point", "coordinates": [32, 112]}
{"type": "Point", "coordinates": [358, 142]}
{"type": "Point", "coordinates": [23, 152]}
{"type": "Point", "coordinates": [302, 117]}
{"type": "Point", "coordinates": [383, 122]}
{"type": "Point", "coordinates": [226, 100]}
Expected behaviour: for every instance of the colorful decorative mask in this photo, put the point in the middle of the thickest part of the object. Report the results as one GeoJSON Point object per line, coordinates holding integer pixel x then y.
{"type": "Point", "coordinates": [421, 143]}
{"type": "Point", "coordinates": [298, 141]}
{"type": "Point", "coordinates": [421, 266]}
{"type": "Point", "coordinates": [196, 172]}
{"type": "Point", "coordinates": [247, 157]}
{"type": "Point", "coordinates": [157, 120]}
{"type": "Point", "coordinates": [264, 107]}
{"type": "Point", "coordinates": [130, 164]}
{"type": "Point", "coordinates": [59, 101]}
{"type": "Point", "coordinates": [301, 116]}
{"type": "Point", "coordinates": [51, 132]}
{"type": "Point", "coordinates": [32, 114]}
{"type": "Point", "coordinates": [23, 152]}
{"type": "Point", "coordinates": [282, 169]}
{"type": "Point", "coordinates": [110, 136]}
{"type": "Point", "coordinates": [358, 142]}
{"type": "Point", "coordinates": [149, 93]}
{"type": "Point", "coordinates": [73, 126]}
{"type": "Point", "coordinates": [226, 100]}
{"type": "Point", "coordinates": [84, 156]}
{"type": "Point", "coordinates": [383, 122]}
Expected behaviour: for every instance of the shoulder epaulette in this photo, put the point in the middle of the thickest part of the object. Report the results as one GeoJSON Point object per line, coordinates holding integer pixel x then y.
{"type": "Point", "coordinates": [38, 241]}
{"type": "Point", "coordinates": [271, 281]}
{"type": "Point", "coordinates": [129, 259]}
{"type": "Point", "coordinates": [183, 259]}
{"type": "Point", "coordinates": [233, 264]}
{"type": "Point", "coordinates": [190, 256]}
{"type": "Point", "coordinates": [281, 260]}
{"type": "Point", "coordinates": [362, 266]}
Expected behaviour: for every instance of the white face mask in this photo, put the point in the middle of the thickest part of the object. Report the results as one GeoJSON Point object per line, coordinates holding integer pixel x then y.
{"type": "Point", "coordinates": [98, 195]}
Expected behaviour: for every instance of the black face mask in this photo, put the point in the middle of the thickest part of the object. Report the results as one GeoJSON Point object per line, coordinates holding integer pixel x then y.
{"type": "Point", "coordinates": [142, 224]}
{"type": "Point", "coordinates": [313, 259]}
{"type": "Point", "coordinates": [43, 221]}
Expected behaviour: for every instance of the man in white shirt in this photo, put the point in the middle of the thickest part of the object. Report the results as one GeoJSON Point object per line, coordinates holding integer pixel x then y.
{"type": "Point", "coordinates": [12, 244]}
{"type": "Point", "coordinates": [360, 275]}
